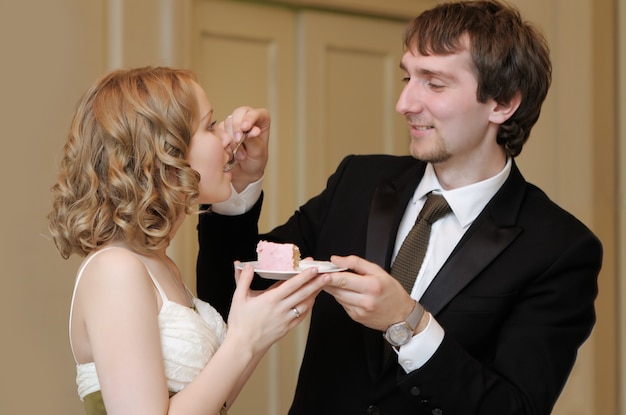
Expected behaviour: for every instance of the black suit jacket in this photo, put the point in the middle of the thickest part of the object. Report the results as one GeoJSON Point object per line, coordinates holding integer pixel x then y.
{"type": "Point", "coordinates": [515, 297]}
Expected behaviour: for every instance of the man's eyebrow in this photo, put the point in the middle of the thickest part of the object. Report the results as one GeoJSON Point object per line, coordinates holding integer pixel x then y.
{"type": "Point", "coordinates": [442, 74]}
{"type": "Point", "coordinates": [428, 72]}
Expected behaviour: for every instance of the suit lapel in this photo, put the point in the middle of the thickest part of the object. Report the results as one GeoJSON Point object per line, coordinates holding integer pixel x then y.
{"type": "Point", "coordinates": [386, 209]}
{"type": "Point", "coordinates": [492, 231]}
{"type": "Point", "coordinates": [466, 262]}
{"type": "Point", "coordinates": [388, 204]}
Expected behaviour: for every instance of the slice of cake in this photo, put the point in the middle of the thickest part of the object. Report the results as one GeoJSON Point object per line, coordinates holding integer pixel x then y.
{"type": "Point", "coordinates": [277, 257]}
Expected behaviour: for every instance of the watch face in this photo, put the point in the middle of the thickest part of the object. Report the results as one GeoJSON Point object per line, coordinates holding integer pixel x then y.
{"type": "Point", "coordinates": [398, 334]}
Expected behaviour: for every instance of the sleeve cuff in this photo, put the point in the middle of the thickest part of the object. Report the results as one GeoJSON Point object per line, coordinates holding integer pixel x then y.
{"type": "Point", "coordinates": [240, 203]}
{"type": "Point", "coordinates": [421, 347]}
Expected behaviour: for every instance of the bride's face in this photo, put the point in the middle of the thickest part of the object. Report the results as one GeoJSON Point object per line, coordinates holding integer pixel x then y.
{"type": "Point", "coordinates": [208, 154]}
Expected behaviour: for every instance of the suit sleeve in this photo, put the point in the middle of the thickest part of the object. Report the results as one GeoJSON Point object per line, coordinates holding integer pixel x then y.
{"type": "Point", "coordinates": [222, 240]}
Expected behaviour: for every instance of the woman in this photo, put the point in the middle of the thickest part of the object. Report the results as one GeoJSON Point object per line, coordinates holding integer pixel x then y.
{"type": "Point", "coordinates": [141, 153]}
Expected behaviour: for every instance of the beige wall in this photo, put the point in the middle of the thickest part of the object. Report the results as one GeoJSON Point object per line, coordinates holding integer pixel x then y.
{"type": "Point", "coordinates": [52, 50]}
{"type": "Point", "coordinates": [621, 200]}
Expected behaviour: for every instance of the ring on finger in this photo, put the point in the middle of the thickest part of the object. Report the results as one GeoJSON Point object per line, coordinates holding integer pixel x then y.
{"type": "Point", "coordinates": [296, 312]}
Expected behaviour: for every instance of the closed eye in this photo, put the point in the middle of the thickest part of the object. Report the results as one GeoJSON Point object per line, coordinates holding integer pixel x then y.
{"type": "Point", "coordinates": [435, 87]}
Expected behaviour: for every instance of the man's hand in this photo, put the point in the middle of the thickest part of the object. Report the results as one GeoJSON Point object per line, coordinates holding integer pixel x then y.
{"type": "Point", "coordinates": [253, 154]}
{"type": "Point", "coordinates": [369, 295]}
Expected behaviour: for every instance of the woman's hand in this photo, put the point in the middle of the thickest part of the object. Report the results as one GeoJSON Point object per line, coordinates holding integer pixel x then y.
{"type": "Point", "coordinates": [260, 318]}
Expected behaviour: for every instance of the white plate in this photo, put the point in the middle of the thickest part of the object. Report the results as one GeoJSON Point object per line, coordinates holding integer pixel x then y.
{"type": "Point", "coordinates": [322, 266]}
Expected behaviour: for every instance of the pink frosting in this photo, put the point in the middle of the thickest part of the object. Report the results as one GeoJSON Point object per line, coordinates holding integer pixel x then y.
{"type": "Point", "coordinates": [277, 257]}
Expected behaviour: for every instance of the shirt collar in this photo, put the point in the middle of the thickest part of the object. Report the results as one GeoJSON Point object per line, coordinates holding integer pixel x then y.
{"type": "Point", "coordinates": [468, 201]}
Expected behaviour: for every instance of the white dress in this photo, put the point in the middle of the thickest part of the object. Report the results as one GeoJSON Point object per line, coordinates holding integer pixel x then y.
{"type": "Point", "coordinates": [189, 339]}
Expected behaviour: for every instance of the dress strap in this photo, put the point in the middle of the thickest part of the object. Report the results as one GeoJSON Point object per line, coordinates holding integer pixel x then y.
{"type": "Point", "coordinates": [78, 277]}
{"type": "Point", "coordinates": [80, 274]}
{"type": "Point", "coordinates": [154, 281]}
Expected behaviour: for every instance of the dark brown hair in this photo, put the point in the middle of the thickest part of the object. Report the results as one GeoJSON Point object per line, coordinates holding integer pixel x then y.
{"type": "Point", "coordinates": [510, 56]}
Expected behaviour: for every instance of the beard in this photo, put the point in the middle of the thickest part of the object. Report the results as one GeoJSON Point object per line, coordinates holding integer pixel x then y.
{"type": "Point", "coordinates": [429, 152]}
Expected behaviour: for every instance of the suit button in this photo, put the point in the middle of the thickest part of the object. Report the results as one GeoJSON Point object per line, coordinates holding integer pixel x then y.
{"type": "Point", "coordinates": [437, 411]}
{"type": "Point", "coordinates": [415, 391]}
{"type": "Point", "coordinates": [373, 410]}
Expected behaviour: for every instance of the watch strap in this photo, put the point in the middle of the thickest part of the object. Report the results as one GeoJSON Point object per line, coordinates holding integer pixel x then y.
{"type": "Point", "coordinates": [416, 315]}
{"type": "Point", "coordinates": [399, 334]}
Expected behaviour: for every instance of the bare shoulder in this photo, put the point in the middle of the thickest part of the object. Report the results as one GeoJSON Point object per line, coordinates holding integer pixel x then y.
{"type": "Point", "coordinates": [115, 275]}
{"type": "Point", "coordinates": [112, 262]}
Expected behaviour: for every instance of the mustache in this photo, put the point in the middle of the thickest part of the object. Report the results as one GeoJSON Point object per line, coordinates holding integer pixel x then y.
{"type": "Point", "coordinates": [419, 121]}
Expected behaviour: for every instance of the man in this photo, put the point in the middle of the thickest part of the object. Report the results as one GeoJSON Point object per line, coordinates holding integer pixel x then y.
{"type": "Point", "coordinates": [509, 279]}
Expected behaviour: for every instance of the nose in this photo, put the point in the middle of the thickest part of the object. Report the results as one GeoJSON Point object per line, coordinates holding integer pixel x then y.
{"type": "Point", "coordinates": [409, 100]}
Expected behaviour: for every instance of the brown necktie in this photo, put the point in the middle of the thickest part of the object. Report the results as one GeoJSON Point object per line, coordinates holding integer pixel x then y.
{"type": "Point", "coordinates": [411, 253]}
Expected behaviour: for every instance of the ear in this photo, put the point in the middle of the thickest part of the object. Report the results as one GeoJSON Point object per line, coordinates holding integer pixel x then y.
{"type": "Point", "coordinates": [502, 112]}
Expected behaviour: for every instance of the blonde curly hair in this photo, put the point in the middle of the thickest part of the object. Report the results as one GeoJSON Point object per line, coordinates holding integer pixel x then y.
{"type": "Point", "coordinates": [123, 175]}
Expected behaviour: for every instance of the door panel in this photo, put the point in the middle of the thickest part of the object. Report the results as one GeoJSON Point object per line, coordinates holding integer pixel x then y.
{"type": "Point", "coordinates": [350, 82]}
{"type": "Point", "coordinates": [244, 55]}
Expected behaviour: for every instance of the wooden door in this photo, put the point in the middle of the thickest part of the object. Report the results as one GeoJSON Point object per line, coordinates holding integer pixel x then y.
{"type": "Point", "coordinates": [348, 85]}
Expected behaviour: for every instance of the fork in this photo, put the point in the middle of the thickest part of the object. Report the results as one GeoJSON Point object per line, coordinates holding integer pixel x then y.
{"type": "Point", "coordinates": [233, 161]}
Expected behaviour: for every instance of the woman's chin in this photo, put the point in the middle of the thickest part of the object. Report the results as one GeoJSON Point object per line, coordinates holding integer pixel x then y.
{"type": "Point", "coordinates": [216, 197]}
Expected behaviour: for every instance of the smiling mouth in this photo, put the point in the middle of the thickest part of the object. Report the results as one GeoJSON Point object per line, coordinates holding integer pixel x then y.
{"type": "Point", "coordinates": [421, 128]}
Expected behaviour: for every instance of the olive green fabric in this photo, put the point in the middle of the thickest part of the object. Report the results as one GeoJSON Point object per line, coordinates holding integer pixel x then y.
{"type": "Point", "coordinates": [94, 405]}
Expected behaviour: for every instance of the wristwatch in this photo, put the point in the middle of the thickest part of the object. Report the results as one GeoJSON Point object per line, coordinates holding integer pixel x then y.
{"type": "Point", "coordinates": [399, 334]}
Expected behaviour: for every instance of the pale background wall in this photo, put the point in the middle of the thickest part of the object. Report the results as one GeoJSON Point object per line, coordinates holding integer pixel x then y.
{"type": "Point", "coordinates": [51, 50]}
